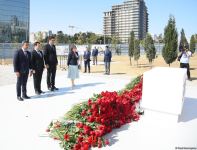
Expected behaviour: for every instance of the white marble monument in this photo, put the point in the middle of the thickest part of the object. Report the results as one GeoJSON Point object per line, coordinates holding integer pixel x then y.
{"type": "Point", "coordinates": [163, 91]}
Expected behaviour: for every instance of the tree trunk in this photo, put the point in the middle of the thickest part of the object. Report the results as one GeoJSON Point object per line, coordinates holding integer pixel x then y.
{"type": "Point", "coordinates": [130, 61]}
{"type": "Point", "coordinates": [150, 63]}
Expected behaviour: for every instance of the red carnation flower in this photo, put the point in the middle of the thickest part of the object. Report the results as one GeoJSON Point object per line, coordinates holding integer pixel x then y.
{"type": "Point", "coordinates": [66, 137]}
{"type": "Point", "coordinates": [79, 125]}
{"type": "Point", "coordinates": [106, 142]}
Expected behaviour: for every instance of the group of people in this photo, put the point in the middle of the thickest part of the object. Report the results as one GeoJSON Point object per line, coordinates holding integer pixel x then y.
{"type": "Point", "coordinates": [73, 62]}
{"type": "Point", "coordinates": [33, 63]}
{"type": "Point", "coordinates": [107, 59]}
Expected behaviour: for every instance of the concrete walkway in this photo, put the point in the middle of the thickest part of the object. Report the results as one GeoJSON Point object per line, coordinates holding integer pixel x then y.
{"type": "Point", "coordinates": [23, 124]}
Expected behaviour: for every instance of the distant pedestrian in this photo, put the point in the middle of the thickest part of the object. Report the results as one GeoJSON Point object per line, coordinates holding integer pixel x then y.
{"type": "Point", "coordinates": [72, 63]}
{"type": "Point", "coordinates": [95, 55]}
{"type": "Point", "coordinates": [51, 63]}
{"type": "Point", "coordinates": [22, 66]}
{"type": "Point", "coordinates": [107, 59]}
{"type": "Point", "coordinates": [86, 58]}
{"type": "Point", "coordinates": [37, 62]}
{"type": "Point", "coordinates": [184, 61]}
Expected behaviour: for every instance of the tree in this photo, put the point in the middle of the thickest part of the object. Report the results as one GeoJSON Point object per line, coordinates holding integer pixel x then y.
{"type": "Point", "coordinates": [131, 45]}
{"type": "Point", "coordinates": [169, 51]}
{"type": "Point", "coordinates": [60, 38]}
{"type": "Point", "coordinates": [39, 36]}
{"type": "Point", "coordinates": [66, 38]}
{"type": "Point", "coordinates": [160, 38]}
{"type": "Point", "coordinates": [192, 44]}
{"type": "Point", "coordinates": [196, 37]}
{"type": "Point", "coordinates": [114, 43]}
{"type": "Point", "coordinates": [149, 48]}
{"type": "Point", "coordinates": [136, 52]}
{"type": "Point", "coordinates": [80, 38]}
{"type": "Point", "coordinates": [183, 41]}
{"type": "Point", "coordinates": [91, 38]}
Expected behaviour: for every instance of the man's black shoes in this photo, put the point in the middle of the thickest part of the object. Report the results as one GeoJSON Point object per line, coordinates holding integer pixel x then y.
{"type": "Point", "coordinates": [26, 97]}
{"type": "Point", "coordinates": [52, 89]}
{"type": "Point", "coordinates": [55, 88]}
{"type": "Point", "coordinates": [37, 93]}
{"type": "Point", "coordinates": [41, 92]}
{"type": "Point", "coordinates": [19, 98]}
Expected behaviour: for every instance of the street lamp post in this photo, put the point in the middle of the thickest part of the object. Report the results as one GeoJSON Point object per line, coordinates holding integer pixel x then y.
{"type": "Point", "coordinates": [104, 38]}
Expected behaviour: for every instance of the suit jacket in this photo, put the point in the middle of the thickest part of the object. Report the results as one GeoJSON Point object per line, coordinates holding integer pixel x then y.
{"type": "Point", "coordinates": [21, 62]}
{"type": "Point", "coordinates": [37, 61]}
{"type": "Point", "coordinates": [95, 52]}
{"type": "Point", "coordinates": [50, 55]}
{"type": "Point", "coordinates": [86, 55]}
{"type": "Point", "coordinates": [72, 58]}
{"type": "Point", "coordinates": [107, 55]}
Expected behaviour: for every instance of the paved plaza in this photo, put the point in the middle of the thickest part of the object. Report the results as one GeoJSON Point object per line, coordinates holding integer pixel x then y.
{"type": "Point", "coordinates": [23, 124]}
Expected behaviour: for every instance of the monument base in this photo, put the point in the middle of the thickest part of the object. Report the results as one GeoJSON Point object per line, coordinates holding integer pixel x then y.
{"type": "Point", "coordinates": [163, 91]}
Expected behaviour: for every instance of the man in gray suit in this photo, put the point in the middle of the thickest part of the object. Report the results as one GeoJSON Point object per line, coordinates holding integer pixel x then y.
{"type": "Point", "coordinates": [107, 59]}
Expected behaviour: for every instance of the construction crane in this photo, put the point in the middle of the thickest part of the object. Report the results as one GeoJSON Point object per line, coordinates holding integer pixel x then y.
{"type": "Point", "coordinates": [73, 27]}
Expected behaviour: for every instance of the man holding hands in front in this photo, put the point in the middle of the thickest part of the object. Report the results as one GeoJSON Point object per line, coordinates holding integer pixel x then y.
{"type": "Point", "coordinates": [37, 62]}
{"type": "Point", "coordinates": [22, 65]}
{"type": "Point", "coordinates": [51, 63]}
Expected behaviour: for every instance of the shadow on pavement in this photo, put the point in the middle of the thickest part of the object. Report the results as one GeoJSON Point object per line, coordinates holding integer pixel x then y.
{"type": "Point", "coordinates": [113, 138]}
{"type": "Point", "coordinates": [120, 73]}
{"type": "Point", "coordinates": [193, 78]}
{"type": "Point", "coordinates": [64, 90]}
{"type": "Point", "coordinates": [189, 111]}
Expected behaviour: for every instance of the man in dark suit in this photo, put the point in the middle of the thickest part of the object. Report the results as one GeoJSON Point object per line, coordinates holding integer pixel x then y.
{"type": "Point", "coordinates": [37, 62]}
{"type": "Point", "coordinates": [87, 60]}
{"type": "Point", "coordinates": [22, 65]}
{"type": "Point", "coordinates": [94, 55]}
{"type": "Point", "coordinates": [107, 59]}
{"type": "Point", "coordinates": [51, 63]}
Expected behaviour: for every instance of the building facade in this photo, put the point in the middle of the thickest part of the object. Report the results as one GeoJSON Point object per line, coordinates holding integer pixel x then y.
{"type": "Point", "coordinates": [14, 20]}
{"type": "Point", "coordinates": [122, 19]}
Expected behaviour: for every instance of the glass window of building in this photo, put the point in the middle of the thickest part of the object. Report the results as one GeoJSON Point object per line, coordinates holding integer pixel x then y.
{"type": "Point", "coordinates": [14, 20]}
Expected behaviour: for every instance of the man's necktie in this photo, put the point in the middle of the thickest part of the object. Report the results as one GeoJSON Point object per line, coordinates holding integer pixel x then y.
{"type": "Point", "coordinates": [26, 55]}
{"type": "Point", "coordinates": [39, 53]}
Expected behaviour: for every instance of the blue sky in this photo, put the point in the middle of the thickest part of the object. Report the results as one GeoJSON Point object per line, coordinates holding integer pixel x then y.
{"type": "Point", "coordinates": [87, 15]}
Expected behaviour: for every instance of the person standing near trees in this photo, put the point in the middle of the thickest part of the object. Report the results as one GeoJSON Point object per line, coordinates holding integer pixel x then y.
{"type": "Point", "coordinates": [184, 61]}
{"type": "Point", "coordinates": [107, 59]}
{"type": "Point", "coordinates": [86, 58]}
{"type": "Point", "coordinates": [94, 55]}
{"type": "Point", "coordinates": [72, 63]}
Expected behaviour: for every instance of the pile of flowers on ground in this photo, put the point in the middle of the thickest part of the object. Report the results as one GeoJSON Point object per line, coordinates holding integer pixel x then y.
{"type": "Point", "coordinates": [86, 124]}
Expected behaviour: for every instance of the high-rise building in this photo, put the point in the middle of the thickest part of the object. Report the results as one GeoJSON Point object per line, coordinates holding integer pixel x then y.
{"type": "Point", "coordinates": [122, 19]}
{"type": "Point", "coordinates": [14, 20]}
